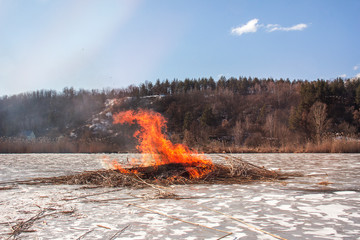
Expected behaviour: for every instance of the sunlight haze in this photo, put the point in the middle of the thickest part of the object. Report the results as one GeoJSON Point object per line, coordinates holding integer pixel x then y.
{"type": "Point", "coordinates": [99, 44]}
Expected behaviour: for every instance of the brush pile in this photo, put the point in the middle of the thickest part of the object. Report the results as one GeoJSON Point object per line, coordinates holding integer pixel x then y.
{"type": "Point", "coordinates": [232, 171]}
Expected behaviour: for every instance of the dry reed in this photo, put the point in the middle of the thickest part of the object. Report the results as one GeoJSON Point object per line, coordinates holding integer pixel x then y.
{"type": "Point", "coordinates": [234, 171]}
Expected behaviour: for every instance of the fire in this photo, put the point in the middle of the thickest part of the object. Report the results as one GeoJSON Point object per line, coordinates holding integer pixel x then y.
{"type": "Point", "coordinates": [161, 150]}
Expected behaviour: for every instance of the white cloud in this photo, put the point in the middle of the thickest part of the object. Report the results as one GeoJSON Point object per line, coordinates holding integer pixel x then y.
{"type": "Point", "coordinates": [277, 27]}
{"type": "Point", "coordinates": [342, 76]}
{"type": "Point", "coordinates": [272, 27]}
{"type": "Point", "coordinates": [356, 67]}
{"type": "Point", "coordinates": [357, 75]}
{"type": "Point", "coordinates": [250, 27]}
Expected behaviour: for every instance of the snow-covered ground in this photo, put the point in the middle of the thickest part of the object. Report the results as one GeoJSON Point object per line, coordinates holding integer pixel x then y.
{"type": "Point", "coordinates": [298, 208]}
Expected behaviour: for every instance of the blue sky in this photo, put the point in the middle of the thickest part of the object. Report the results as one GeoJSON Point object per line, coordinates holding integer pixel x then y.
{"type": "Point", "coordinates": [52, 44]}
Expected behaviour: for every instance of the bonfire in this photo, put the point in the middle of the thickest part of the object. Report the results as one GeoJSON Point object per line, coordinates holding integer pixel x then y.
{"type": "Point", "coordinates": [163, 162]}
{"type": "Point", "coordinates": [159, 154]}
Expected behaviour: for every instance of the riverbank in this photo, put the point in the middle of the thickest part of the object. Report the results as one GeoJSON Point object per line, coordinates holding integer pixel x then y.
{"type": "Point", "coordinates": [66, 145]}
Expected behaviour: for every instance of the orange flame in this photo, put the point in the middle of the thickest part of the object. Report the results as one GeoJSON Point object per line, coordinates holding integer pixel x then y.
{"type": "Point", "coordinates": [154, 143]}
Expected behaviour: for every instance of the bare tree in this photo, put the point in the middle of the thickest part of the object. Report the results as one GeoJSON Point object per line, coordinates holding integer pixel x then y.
{"type": "Point", "coordinates": [270, 124]}
{"type": "Point", "coordinates": [238, 132]}
{"type": "Point", "coordinates": [318, 119]}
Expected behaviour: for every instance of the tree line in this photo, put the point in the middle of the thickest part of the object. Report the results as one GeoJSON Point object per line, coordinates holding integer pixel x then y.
{"type": "Point", "coordinates": [226, 114]}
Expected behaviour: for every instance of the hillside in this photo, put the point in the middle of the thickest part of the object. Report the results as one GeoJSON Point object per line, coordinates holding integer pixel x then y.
{"type": "Point", "coordinates": [235, 114]}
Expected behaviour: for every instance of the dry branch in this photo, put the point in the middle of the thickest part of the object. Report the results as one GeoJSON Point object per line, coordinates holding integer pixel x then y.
{"type": "Point", "coordinates": [103, 226]}
{"type": "Point", "coordinates": [7, 188]}
{"type": "Point", "coordinates": [23, 226]}
{"type": "Point", "coordinates": [90, 195]}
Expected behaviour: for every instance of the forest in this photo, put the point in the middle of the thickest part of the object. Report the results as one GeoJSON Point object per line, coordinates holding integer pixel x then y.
{"type": "Point", "coordinates": [242, 114]}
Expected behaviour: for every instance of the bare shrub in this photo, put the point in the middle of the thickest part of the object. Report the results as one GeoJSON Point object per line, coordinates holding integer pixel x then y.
{"type": "Point", "coordinates": [189, 138]}
{"type": "Point", "coordinates": [254, 140]}
{"type": "Point", "coordinates": [238, 133]}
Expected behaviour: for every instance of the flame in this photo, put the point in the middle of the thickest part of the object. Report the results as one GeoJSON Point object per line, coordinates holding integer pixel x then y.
{"type": "Point", "coordinates": [154, 143]}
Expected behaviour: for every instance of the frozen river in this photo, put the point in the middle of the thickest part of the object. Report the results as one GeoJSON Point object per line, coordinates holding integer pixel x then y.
{"type": "Point", "coordinates": [323, 204]}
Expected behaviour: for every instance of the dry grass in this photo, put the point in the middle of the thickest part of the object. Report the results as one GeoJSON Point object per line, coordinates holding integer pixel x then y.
{"type": "Point", "coordinates": [104, 178]}
{"type": "Point", "coordinates": [334, 146]}
{"type": "Point", "coordinates": [345, 145]}
{"type": "Point", "coordinates": [66, 145]}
